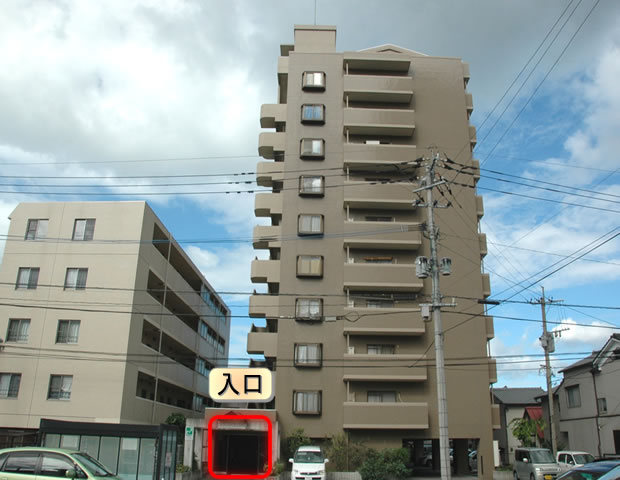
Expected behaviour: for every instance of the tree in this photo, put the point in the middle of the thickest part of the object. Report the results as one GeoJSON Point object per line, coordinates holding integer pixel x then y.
{"type": "Point", "coordinates": [296, 439]}
{"type": "Point", "coordinates": [345, 455]}
{"type": "Point", "coordinates": [526, 429]}
{"type": "Point", "coordinates": [177, 419]}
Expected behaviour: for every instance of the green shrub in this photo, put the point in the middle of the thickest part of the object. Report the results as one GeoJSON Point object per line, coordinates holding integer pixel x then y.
{"type": "Point", "coordinates": [390, 462]}
{"type": "Point", "coordinates": [345, 455]}
{"type": "Point", "coordinates": [296, 439]}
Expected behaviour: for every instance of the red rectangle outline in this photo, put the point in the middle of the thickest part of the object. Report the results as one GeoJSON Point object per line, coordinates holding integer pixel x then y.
{"type": "Point", "coordinates": [210, 446]}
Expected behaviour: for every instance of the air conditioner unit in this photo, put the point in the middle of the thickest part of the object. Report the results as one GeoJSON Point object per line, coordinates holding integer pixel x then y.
{"type": "Point", "coordinates": [373, 142]}
{"type": "Point", "coordinates": [351, 350]}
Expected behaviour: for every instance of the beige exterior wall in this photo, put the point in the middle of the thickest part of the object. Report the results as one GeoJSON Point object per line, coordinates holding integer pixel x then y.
{"type": "Point", "coordinates": [105, 362]}
{"type": "Point", "coordinates": [407, 101]}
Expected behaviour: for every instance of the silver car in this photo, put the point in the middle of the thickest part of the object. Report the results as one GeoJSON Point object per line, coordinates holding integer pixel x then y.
{"type": "Point", "coordinates": [535, 464]}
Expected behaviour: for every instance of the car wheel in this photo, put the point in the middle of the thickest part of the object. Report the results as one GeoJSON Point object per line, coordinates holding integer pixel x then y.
{"type": "Point", "coordinates": [515, 476]}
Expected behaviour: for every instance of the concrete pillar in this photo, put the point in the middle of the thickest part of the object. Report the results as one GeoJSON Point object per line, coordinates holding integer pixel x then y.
{"type": "Point", "coordinates": [435, 448]}
{"type": "Point", "coordinates": [460, 461]}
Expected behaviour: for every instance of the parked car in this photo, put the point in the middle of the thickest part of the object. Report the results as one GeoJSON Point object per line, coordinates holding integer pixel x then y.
{"type": "Point", "coordinates": [308, 462]}
{"type": "Point", "coordinates": [567, 459]}
{"type": "Point", "coordinates": [427, 460]}
{"type": "Point", "coordinates": [32, 463]}
{"type": "Point", "coordinates": [472, 460]}
{"type": "Point", "coordinates": [535, 464]}
{"type": "Point", "coordinates": [613, 474]}
{"type": "Point", "coordinates": [593, 471]}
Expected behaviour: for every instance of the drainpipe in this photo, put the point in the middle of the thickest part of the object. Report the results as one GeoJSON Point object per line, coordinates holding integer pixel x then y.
{"type": "Point", "coordinates": [594, 371]}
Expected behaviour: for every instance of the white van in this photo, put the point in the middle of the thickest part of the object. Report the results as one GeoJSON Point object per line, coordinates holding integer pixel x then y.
{"type": "Point", "coordinates": [308, 464]}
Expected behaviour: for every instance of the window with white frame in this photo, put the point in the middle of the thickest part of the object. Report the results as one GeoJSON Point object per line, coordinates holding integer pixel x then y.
{"type": "Point", "coordinates": [84, 229]}
{"type": "Point", "coordinates": [313, 81]}
{"type": "Point", "coordinates": [308, 354]}
{"type": "Point", "coordinates": [573, 396]}
{"type": "Point", "coordinates": [309, 308]}
{"type": "Point", "coordinates": [309, 266]}
{"type": "Point", "coordinates": [18, 330]}
{"type": "Point", "coordinates": [68, 331]}
{"type": "Point", "coordinates": [307, 402]}
{"type": "Point", "coordinates": [9, 384]}
{"type": "Point", "coordinates": [76, 278]}
{"type": "Point", "coordinates": [381, 397]}
{"type": "Point", "coordinates": [310, 224]}
{"type": "Point", "coordinates": [602, 405]}
{"type": "Point", "coordinates": [311, 185]}
{"type": "Point", "coordinates": [27, 277]}
{"type": "Point", "coordinates": [37, 228]}
{"type": "Point", "coordinates": [60, 387]}
{"type": "Point", "coordinates": [312, 148]}
{"type": "Point", "coordinates": [313, 113]}
{"type": "Point", "coordinates": [381, 349]}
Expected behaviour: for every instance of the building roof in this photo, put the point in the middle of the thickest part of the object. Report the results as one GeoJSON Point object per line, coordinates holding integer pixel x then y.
{"type": "Point", "coordinates": [534, 412]}
{"type": "Point", "coordinates": [517, 396]}
{"type": "Point", "coordinates": [584, 362]}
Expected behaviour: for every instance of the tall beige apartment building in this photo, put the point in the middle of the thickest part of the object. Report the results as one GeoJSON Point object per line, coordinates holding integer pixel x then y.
{"type": "Point", "coordinates": [344, 333]}
{"type": "Point", "coordinates": [104, 319]}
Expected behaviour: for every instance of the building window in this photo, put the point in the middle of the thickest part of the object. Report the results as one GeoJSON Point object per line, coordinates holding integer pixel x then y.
{"type": "Point", "coordinates": [68, 331]}
{"type": "Point", "coordinates": [202, 366]}
{"type": "Point", "coordinates": [312, 148]}
{"type": "Point", "coordinates": [602, 405]}
{"type": "Point", "coordinates": [60, 387]}
{"type": "Point", "coordinates": [37, 229]}
{"type": "Point", "coordinates": [308, 354]}
{"type": "Point", "coordinates": [381, 349]}
{"type": "Point", "coordinates": [76, 278]}
{"type": "Point", "coordinates": [307, 403]}
{"type": "Point", "coordinates": [377, 303]}
{"type": "Point", "coordinates": [313, 114]}
{"type": "Point", "coordinates": [311, 185]}
{"type": "Point", "coordinates": [9, 384]}
{"type": "Point", "coordinates": [379, 259]}
{"type": "Point", "coordinates": [313, 81]}
{"type": "Point", "coordinates": [573, 396]}
{"type": "Point", "coordinates": [310, 224]}
{"type": "Point", "coordinates": [18, 330]}
{"type": "Point", "coordinates": [83, 229]}
{"type": "Point", "coordinates": [382, 397]}
{"type": "Point", "coordinates": [27, 277]}
{"type": "Point", "coordinates": [378, 218]}
{"type": "Point", "coordinates": [309, 309]}
{"type": "Point", "coordinates": [309, 266]}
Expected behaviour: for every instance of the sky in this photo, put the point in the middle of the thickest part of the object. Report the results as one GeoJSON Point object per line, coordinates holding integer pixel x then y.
{"type": "Point", "coordinates": [168, 92]}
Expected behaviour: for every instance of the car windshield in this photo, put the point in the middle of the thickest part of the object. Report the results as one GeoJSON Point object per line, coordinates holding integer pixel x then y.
{"type": "Point", "coordinates": [92, 465]}
{"type": "Point", "coordinates": [308, 457]}
{"type": "Point", "coordinates": [582, 458]}
{"type": "Point", "coordinates": [542, 456]}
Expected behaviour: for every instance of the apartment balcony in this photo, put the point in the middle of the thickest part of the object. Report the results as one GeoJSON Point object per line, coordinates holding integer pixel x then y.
{"type": "Point", "coordinates": [492, 370]}
{"type": "Point", "coordinates": [496, 419]}
{"type": "Point", "coordinates": [267, 204]}
{"type": "Point", "coordinates": [373, 277]}
{"type": "Point", "coordinates": [176, 373]}
{"type": "Point", "coordinates": [377, 88]}
{"type": "Point", "coordinates": [475, 170]}
{"type": "Point", "coordinates": [486, 285]}
{"type": "Point", "coordinates": [272, 115]}
{"type": "Point", "coordinates": [382, 235]}
{"type": "Point", "coordinates": [365, 61]}
{"type": "Point", "coordinates": [263, 306]}
{"type": "Point", "coordinates": [466, 73]}
{"type": "Point", "coordinates": [472, 136]}
{"type": "Point", "coordinates": [379, 121]}
{"type": "Point", "coordinates": [482, 240]}
{"type": "Point", "coordinates": [377, 416]}
{"type": "Point", "coordinates": [282, 69]}
{"type": "Point", "coordinates": [479, 207]}
{"type": "Point", "coordinates": [384, 196]}
{"type": "Point", "coordinates": [271, 143]}
{"type": "Point", "coordinates": [490, 329]}
{"type": "Point", "coordinates": [360, 156]}
{"type": "Point", "coordinates": [383, 368]}
{"type": "Point", "coordinates": [267, 236]}
{"type": "Point", "coordinates": [269, 172]}
{"type": "Point", "coordinates": [262, 342]}
{"type": "Point", "coordinates": [384, 321]}
{"type": "Point", "coordinates": [469, 103]}
{"type": "Point", "coordinates": [265, 271]}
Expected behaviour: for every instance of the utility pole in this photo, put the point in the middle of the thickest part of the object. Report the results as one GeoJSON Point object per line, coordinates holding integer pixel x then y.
{"type": "Point", "coordinates": [423, 267]}
{"type": "Point", "coordinates": [548, 344]}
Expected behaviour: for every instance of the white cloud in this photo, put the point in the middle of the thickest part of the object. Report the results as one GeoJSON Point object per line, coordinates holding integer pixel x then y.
{"type": "Point", "coordinates": [582, 337]}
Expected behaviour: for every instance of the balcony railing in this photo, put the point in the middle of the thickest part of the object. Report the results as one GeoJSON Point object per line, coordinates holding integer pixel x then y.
{"type": "Point", "coordinates": [382, 235]}
{"type": "Point", "coordinates": [272, 115]}
{"type": "Point", "coordinates": [262, 342]}
{"type": "Point", "coordinates": [394, 415]}
{"type": "Point", "coordinates": [268, 204]}
{"type": "Point", "coordinates": [270, 143]}
{"type": "Point", "coordinates": [269, 172]}
{"type": "Point", "coordinates": [381, 277]}
{"type": "Point", "coordinates": [262, 306]}
{"type": "Point", "coordinates": [359, 194]}
{"type": "Point", "coordinates": [393, 322]}
{"type": "Point", "coordinates": [379, 121]}
{"type": "Point", "coordinates": [265, 271]}
{"type": "Point", "coordinates": [378, 88]}
{"type": "Point", "coordinates": [366, 157]}
{"type": "Point", "coordinates": [267, 236]}
{"type": "Point", "coordinates": [376, 62]}
{"type": "Point", "coordinates": [383, 368]}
